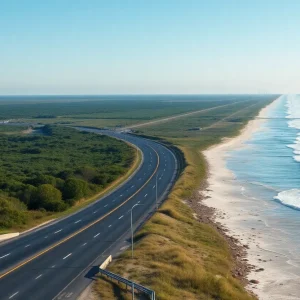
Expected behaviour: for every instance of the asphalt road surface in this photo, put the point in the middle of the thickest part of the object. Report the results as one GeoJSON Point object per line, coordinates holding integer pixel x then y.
{"type": "Point", "coordinates": [54, 261]}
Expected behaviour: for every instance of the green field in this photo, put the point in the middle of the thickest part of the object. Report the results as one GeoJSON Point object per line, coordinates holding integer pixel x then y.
{"type": "Point", "coordinates": [118, 111]}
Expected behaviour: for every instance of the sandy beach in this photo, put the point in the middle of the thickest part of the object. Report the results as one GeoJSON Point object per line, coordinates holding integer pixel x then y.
{"type": "Point", "coordinates": [242, 217]}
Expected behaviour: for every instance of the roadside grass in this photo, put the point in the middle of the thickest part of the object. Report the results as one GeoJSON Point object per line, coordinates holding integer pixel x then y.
{"type": "Point", "coordinates": [36, 218]}
{"type": "Point", "coordinates": [175, 254]}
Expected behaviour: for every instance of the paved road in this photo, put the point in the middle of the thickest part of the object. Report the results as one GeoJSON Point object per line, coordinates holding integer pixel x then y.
{"type": "Point", "coordinates": [41, 264]}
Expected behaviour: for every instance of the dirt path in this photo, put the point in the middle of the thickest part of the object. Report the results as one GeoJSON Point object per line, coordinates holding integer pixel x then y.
{"type": "Point", "coordinates": [224, 119]}
{"type": "Point", "coordinates": [163, 120]}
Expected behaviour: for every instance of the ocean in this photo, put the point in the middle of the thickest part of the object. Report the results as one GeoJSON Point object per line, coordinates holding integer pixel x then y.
{"type": "Point", "coordinates": [266, 170]}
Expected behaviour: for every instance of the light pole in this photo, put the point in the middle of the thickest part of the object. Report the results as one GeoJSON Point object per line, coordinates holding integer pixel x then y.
{"type": "Point", "coordinates": [132, 228]}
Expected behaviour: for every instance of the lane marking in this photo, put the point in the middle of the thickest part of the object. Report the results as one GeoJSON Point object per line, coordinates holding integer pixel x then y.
{"type": "Point", "coordinates": [96, 235]}
{"type": "Point", "coordinates": [121, 217]}
{"type": "Point", "coordinates": [84, 244]}
{"type": "Point", "coordinates": [46, 236]}
{"type": "Point", "coordinates": [95, 211]}
{"type": "Point", "coordinates": [27, 246]}
{"type": "Point", "coordinates": [145, 195]}
{"type": "Point", "coordinates": [87, 226]}
{"type": "Point", "coordinates": [109, 226]}
{"type": "Point", "coordinates": [132, 186]}
{"type": "Point", "coordinates": [77, 221]}
{"type": "Point", "coordinates": [53, 267]}
{"type": "Point", "coordinates": [105, 205]}
{"type": "Point", "coordinates": [121, 195]}
{"type": "Point", "coordinates": [58, 231]}
{"type": "Point", "coordinates": [154, 186]}
{"type": "Point", "coordinates": [38, 276]}
{"type": "Point", "coordinates": [13, 295]}
{"type": "Point", "coordinates": [4, 255]}
{"type": "Point", "coordinates": [67, 255]}
{"type": "Point", "coordinates": [114, 200]}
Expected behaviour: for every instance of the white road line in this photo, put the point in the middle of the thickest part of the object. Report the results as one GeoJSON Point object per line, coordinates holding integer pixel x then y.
{"type": "Point", "coordinates": [27, 246]}
{"type": "Point", "coordinates": [84, 244]}
{"type": "Point", "coordinates": [121, 195]}
{"type": "Point", "coordinates": [114, 200]}
{"type": "Point", "coordinates": [13, 295]}
{"type": "Point", "coordinates": [105, 205]}
{"type": "Point", "coordinates": [4, 255]}
{"type": "Point", "coordinates": [121, 217]}
{"type": "Point", "coordinates": [39, 276]}
{"type": "Point", "coordinates": [96, 235]}
{"type": "Point", "coordinates": [138, 202]}
{"type": "Point", "coordinates": [46, 236]}
{"type": "Point", "coordinates": [58, 231]}
{"type": "Point", "coordinates": [132, 186]}
{"type": "Point", "coordinates": [67, 256]}
{"type": "Point", "coordinates": [109, 226]}
{"type": "Point", "coordinates": [53, 266]}
{"type": "Point", "coordinates": [140, 178]}
{"type": "Point", "coordinates": [164, 170]}
{"type": "Point", "coordinates": [95, 211]}
{"type": "Point", "coordinates": [146, 195]}
{"type": "Point", "coordinates": [154, 186]}
{"type": "Point", "coordinates": [77, 221]}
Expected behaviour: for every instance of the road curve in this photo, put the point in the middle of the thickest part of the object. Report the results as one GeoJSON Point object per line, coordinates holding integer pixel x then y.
{"type": "Point", "coordinates": [42, 264]}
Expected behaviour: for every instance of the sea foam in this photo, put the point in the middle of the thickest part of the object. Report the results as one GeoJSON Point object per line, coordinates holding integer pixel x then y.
{"type": "Point", "coordinates": [290, 198]}
{"type": "Point", "coordinates": [293, 112]}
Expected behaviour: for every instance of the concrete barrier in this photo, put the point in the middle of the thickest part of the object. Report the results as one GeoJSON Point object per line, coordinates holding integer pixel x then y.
{"type": "Point", "coordinates": [106, 263]}
{"type": "Point", "coordinates": [7, 236]}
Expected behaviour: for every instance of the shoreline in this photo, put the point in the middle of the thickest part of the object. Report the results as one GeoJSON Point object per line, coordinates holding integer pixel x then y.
{"type": "Point", "coordinates": [228, 212]}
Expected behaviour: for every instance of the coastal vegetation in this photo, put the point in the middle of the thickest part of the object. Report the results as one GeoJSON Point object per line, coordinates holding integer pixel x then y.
{"type": "Point", "coordinates": [55, 169]}
{"type": "Point", "coordinates": [177, 254]}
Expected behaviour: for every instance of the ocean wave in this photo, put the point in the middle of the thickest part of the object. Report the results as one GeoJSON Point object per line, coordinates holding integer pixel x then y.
{"type": "Point", "coordinates": [290, 198]}
{"type": "Point", "coordinates": [293, 106]}
{"type": "Point", "coordinates": [294, 123]}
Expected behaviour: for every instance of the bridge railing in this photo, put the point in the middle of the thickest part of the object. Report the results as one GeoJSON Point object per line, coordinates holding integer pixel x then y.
{"type": "Point", "coordinates": [133, 285]}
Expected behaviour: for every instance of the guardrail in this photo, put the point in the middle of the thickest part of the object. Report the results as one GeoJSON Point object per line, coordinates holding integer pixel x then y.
{"type": "Point", "coordinates": [133, 285]}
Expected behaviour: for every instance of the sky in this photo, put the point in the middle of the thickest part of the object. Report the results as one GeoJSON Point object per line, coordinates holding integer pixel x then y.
{"type": "Point", "coordinates": [149, 47]}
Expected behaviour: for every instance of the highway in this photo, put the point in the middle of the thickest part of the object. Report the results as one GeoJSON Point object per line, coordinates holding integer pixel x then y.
{"type": "Point", "coordinates": [43, 263]}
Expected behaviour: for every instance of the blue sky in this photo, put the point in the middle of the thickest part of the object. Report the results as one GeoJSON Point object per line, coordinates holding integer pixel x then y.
{"type": "Point", "coordinates": [157, 46]}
